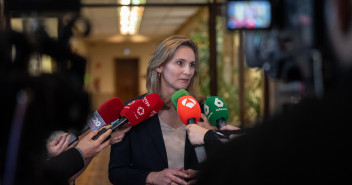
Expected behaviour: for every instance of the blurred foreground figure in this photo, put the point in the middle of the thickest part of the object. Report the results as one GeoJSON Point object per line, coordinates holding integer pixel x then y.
{"type": "Point", "coordinates": [310, 143]}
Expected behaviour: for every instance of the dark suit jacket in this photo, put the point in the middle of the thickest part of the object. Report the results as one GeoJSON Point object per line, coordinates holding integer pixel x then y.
{"type": "Point", "coordinates": [143, 151]}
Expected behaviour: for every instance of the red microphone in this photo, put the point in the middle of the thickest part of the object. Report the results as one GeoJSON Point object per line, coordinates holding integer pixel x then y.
{"type": "Point", "coordinates": [111, 109]}
{"type": "Point", "coordinates": [188, 110]}
{"type": "Point", "coordinates": [133, 113]}
{"type": "Point", "coordinates": [107, 113]}
{"type": "Point", "coordinates": [154, 103]}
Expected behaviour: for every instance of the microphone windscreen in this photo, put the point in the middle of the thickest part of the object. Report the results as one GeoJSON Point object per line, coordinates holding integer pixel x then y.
{"type": "Point", "coordinates": [215, 108]}
{"type": "Point", "coordinates": [110, 110]}
{"type": "Point", "coordinates": [177, 95]}
{"type": "Point", "coordinates": [154, 104]}
{"type": "Point", "coordinates": [135, 112]}
{"type": "Point", "coordinates": [188, 108]}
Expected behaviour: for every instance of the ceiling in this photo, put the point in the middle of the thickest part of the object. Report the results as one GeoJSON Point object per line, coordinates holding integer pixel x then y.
{"type": "Point", "coordinates": [157, 21]}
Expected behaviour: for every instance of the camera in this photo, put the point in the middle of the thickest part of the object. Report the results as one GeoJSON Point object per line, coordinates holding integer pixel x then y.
{"type": "Point", "coordinates": [285, 39]}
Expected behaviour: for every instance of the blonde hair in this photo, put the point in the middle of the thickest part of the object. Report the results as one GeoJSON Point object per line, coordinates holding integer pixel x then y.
{"type": "Point", "coordinates": [163, 54]}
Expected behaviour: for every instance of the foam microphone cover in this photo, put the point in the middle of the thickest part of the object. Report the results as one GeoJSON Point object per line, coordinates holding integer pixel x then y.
{"type": "Point", "coordinates": [177, 95]}
{"type": "Point", "coordinates": [188, 108]}
{"type": "Point", "coordinates": [110, 110]}
{"type": "Point", "coordinates": [215, 108]}
{"type": "Point", "coordinates": [107, 113]}
{"type": "Point", "coordinates": [154, 104]}
{"type": "Point", "coordinates": [135, 112]}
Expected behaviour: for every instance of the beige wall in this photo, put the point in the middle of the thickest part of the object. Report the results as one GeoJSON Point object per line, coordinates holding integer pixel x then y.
{"type": "Point", "coordinates": [101, 56]}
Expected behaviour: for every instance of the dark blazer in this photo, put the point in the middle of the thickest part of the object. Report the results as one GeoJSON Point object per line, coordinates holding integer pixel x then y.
{"type": "Point", "coordinates": [143, 151]}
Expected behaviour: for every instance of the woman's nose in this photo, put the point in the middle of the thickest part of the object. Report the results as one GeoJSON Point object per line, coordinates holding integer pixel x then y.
{"type": "Point", "coordinates": [187, 70]}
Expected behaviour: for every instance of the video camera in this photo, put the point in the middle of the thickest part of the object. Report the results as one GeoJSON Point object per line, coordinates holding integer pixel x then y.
{"type": "Point", "coordinates": [284, 38]}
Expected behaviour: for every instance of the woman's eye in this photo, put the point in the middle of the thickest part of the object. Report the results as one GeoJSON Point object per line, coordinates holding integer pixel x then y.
{"type": "Point", "coordinates": [192, 64]}
{"type": "Point", "coordinates": [179, 62]}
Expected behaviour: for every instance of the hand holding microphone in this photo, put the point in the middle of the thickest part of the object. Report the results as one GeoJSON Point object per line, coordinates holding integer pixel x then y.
{"type": "Point", "coordinates": [90, 147]}
{"type": "Point", "coordinates": [196, 134]}
{"type": "Point", "coordinates": [189, 111]}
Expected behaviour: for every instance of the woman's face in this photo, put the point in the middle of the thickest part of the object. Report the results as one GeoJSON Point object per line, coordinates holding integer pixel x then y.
{"type": "Point", "coordinates": [177, 73]}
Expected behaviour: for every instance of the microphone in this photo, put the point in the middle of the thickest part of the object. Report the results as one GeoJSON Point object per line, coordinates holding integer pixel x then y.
{"type": "Point", "coordinates": [154, 104]}
{"type": "Point", "coordinates": [177, 95]}
{"type": "Point", "coordinates": [107, 113]}
{"type": "Point", "coordinates": [189, 111]}
{"type": "Point", "coordinates": [133, 113]}
{"type": "Point", "coordinates": [216, 111]}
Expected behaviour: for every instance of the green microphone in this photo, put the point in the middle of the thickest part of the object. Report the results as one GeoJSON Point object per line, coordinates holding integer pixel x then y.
{"type": "Point", "coordinates": [216, 111]}
{"type": "Point", "coordinates": [177, 95]}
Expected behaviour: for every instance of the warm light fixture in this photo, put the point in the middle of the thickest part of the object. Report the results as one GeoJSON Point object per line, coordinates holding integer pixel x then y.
{"type": "Point", "coordinates": [130, 16]}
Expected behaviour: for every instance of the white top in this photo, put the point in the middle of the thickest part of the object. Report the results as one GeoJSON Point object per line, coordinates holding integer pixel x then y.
{"type": "Point", "coordinates": [174, 140]}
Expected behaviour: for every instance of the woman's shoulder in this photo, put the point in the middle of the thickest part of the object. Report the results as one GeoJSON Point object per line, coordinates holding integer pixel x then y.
{"type": "Point", "coordinates": [136, 98]}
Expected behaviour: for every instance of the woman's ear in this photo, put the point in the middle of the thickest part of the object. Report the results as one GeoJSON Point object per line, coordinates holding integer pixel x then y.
{"type": "Point", "coordinates": [159, 69]}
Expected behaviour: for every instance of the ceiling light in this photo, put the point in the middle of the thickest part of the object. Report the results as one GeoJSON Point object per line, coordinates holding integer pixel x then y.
{"type": "Point", "coordinates": [130, 16]}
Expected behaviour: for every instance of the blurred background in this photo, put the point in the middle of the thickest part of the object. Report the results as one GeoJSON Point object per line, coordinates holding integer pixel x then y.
{"type": "Point", "coordinates": [123, 35]}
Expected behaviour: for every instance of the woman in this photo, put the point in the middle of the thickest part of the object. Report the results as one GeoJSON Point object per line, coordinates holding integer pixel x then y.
{"type": "Point", "coordinates": [157, 150]}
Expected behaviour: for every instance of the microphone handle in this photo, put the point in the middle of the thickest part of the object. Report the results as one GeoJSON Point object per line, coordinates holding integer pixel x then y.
{"type": "Point", "coordinates": [200, 153]}
{"type": "Point", "coordinates": [119, 123]}
{"type": "Point", "coordinates": [220, 123]}
{"type": "Point", "coordinates": [113, 127]}
{"type": "Point", "coordinates": [191, 121]}
{"type": "Point", "coordinates": [200, 150]}
{"type": "Point", "coordinates": [101, 132]}
{"type": "Point", "coordinates": [86, 127]}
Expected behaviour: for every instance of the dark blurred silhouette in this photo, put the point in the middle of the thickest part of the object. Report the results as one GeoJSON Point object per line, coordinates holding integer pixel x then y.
{"type": "Point", "coordinates": [310, 142]}
{"type": "Point", "coordinates": [33, 106]}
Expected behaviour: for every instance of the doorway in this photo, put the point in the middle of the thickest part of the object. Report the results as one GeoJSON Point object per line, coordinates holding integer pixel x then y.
{"type": "Point", "coordinates": [126, 78]}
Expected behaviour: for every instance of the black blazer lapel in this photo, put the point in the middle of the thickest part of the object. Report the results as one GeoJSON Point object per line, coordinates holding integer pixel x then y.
{"type": "Point", "coordinates": [155, 133]}
{"type": "Point", "coordinates": [191, 161]}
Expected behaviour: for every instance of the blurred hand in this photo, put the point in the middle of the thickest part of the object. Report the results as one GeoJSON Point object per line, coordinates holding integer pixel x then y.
{"type": "Point", "coordinates": [192, 174]}
{"type": "Point", "coordinates": [229, 127]}
{"type": "Point", "coordinates": [206, 124]}
{"type": "Point", "coordinates": [59, 145]}
{"type": "Point", "coordinates": [196, 134]}
{"type": "Point", "coordinates": [117, 135]}
{"type": "Point", "coordinates": [167, 177]}
{"type": "Point", "coordinates": [91, 148]}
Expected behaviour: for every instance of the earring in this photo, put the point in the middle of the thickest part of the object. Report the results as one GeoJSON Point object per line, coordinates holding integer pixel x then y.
{"type": "Point", "coordinates": [159, 75]}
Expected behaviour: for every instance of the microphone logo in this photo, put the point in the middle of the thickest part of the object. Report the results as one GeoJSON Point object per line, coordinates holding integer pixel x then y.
{"type": "Point", "coordinates": [145, 100]}
{"type": "Point", "coordinates": [218, 102]}
{"type": "Point", "coordinates": [188, 102]}
{"type": "Point", "coordinates": [140, 111]}
{"type": "Point", "coordinates": [206, 109]}
{"type": "Point", "coordinates": [96, 121]}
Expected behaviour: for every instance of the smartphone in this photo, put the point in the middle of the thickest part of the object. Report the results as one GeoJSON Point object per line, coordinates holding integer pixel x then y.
{"type": "Point", "coordinates": [247, 14]}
